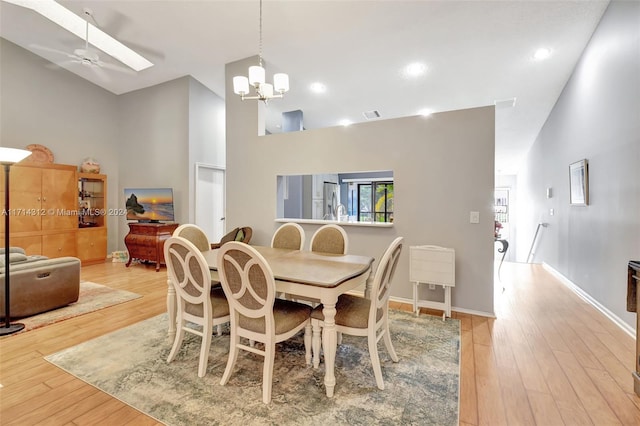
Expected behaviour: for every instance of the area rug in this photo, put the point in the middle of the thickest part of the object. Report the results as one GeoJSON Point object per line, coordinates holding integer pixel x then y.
{"type": "Point", "coordinates": [92, 297]}
{"type": "Point", "coordinates": [422, 389]}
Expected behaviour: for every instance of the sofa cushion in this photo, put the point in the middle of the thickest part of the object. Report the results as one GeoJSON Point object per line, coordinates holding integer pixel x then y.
{"type": "Point", "coordinates": [13, 258]}
{"type": "Point", "coordinates": [12, 250]}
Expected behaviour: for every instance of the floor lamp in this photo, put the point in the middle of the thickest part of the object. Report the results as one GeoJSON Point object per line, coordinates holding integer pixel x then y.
{"type": "Point", "coordinates": [8, 157]}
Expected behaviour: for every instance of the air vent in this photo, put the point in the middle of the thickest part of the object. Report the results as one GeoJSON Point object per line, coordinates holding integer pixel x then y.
{"type": "Point", "coordinates": [370, 115]}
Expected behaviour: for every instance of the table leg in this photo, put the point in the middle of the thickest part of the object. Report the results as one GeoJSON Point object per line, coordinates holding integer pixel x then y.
{"type": "Point", "coordinates": [329, 345]}
{"type": "Point", "coordinates": [171, 310]}
{"type": "Point", "coordinates": [367, 286]}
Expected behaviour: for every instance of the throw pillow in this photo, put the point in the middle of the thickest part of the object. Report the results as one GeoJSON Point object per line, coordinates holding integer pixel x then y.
{"type": "Point", "coordinates": [240, 235]}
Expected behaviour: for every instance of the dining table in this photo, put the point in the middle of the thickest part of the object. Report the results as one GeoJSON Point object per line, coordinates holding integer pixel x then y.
{"type": "Point", "coordinates": [308, 275]}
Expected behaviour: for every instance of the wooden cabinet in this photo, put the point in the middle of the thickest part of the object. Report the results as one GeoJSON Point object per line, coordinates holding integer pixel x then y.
{"type": "Point", "coordinates": [92, 235]}
{"type": "Point", "coordinates": [48, 203]}
{"type": "Point", "coordinates": [92, 245]}
{"type": "Point", "coordinates": [59, 245]}
{"type": "Point", "coordinates": [43, 208]}
{"type": "Point", "coordinates": [145, 241]}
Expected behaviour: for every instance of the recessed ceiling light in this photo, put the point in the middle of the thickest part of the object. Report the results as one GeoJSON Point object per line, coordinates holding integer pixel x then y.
{"type": "Point", "coordinates": [425, 112]}
{"type": "Point", "coordinates": [415, 69]}
{"type": "Point", "coordinates": [542, 54]}
{"type": "Point", "coordinates": [318, 87]}
{"type": "Point", "coordinates": [345, 122]}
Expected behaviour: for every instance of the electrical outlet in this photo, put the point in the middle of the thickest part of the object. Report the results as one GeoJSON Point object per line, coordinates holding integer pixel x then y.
{"type": "Point", "coordinates": [551, 212]}
{"type": "Point", "coordinates": [432, 286]}
{"type": "Point", "coordinates": [474, 217]}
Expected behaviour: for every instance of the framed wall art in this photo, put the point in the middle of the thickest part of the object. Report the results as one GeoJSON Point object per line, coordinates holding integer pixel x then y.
{"type": "Point", "coordinates": [579, 183]}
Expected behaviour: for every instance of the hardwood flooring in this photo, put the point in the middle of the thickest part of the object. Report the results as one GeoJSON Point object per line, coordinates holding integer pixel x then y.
{"type": "Point", "coordinates": [548, 358]}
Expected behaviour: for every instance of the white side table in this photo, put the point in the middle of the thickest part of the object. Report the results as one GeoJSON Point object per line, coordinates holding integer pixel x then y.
{"type": "Point", "coordinates": [432, 265]}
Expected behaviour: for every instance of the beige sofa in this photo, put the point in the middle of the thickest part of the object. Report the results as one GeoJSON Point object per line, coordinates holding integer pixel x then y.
{"type": "Point", "coordinates": [38, 284]}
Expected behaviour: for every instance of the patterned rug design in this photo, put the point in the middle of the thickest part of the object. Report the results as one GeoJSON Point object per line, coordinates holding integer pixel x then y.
{"type": "Point", "coordinates": [422, 389]}
{"type": "Point", "coordinates": [92, 297]}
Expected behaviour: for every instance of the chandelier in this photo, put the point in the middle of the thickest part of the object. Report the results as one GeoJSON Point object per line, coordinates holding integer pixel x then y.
{"type": "Point", "coordinates": [263, 91]}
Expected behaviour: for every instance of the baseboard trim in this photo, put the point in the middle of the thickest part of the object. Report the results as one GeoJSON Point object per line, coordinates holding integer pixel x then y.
{"type": "Point", "coordinates": [410, 303]}
{"type": "Point", "coordinates": [453, 308]}
{"type": "Point", "coordinates": [590, 300]}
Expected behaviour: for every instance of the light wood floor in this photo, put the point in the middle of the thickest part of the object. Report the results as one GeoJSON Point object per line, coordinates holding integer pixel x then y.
{"type": "Point", "coordinates": [548, 359]}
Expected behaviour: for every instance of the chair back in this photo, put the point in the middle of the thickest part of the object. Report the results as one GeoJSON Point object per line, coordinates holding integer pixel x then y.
{"type": "Point", "coordinates": [237, 234]}
{"type": "Point", "coordinates": [248, 283]}
{"type": "Point", "coordinates": [189, 272]}
{"type": "Point", "coordinates": [289, 236]}
{"type": "Point", "coordinates": [330, 239]}
{"type": "Point", "coordinates": [194, 234]}
{"type": "Point", "coordinates": [382, 280]}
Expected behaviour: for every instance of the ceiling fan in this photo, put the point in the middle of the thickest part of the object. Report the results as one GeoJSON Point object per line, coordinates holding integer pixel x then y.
{"type": "Point", "coordinates": [86, 55]}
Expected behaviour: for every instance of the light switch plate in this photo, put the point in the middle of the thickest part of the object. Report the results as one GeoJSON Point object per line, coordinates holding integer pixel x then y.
{"type": "Point", "coordinates": [474, 217]}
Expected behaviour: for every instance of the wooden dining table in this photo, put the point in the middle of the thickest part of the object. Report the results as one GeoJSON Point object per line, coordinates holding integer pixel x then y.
{"type": "Point", "coordinates": [305, 274]}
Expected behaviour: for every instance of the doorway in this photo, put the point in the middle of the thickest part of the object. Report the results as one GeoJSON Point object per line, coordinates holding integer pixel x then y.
{"type": "Point", "coordinates": [210, 200]}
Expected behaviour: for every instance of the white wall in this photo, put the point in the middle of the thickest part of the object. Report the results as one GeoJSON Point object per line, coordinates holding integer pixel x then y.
{"type": "Point", "coordinates": [597, 117]}
{"type": "Point", "coordinates": [443, 168]}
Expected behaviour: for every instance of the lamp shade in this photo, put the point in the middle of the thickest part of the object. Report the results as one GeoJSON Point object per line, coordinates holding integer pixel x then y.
{"type": "Point", "coordinates": [267, 90]}
{"type": "Point", "coordinates": [12, 155]}
{"type": "Point", "coordinates": [281, 82]}
{"type": "Point", "coordinates": [240, 85]}
{"type": "Point", "coordinates": [256, 75]}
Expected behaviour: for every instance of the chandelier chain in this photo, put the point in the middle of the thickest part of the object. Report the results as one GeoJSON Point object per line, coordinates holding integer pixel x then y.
{"type": "Point", "coordinates": [260, 43]}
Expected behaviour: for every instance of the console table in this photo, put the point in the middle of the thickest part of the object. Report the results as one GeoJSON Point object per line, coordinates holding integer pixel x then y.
{"type": "Point", "coordinates": [145, 241]}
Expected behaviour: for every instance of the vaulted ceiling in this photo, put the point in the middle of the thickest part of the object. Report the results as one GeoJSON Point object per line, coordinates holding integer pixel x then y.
{"type": "Point", "coordinates": [474, 54]}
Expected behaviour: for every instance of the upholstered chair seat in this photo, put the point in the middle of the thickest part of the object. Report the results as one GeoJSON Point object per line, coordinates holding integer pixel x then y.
{"type": "Point", "coordinates": [197, 302]}
{"type": "Point", "coordinates": [365, 317]}
{"type": "Point", "coordinates": [351, 311]}
{"type": "Point", "coordinates": [256, 315]}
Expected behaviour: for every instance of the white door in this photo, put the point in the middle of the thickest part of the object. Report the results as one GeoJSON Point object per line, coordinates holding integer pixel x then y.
{"type": "Point", "coordinates": [210, 199]}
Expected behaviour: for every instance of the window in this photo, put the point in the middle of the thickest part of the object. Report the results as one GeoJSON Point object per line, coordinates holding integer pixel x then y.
{"type": "Point", "coordinates": [374, 201]}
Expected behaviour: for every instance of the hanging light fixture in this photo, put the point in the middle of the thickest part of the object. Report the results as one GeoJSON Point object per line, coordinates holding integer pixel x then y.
{"type": "Point", "coordinates": [263, 91]}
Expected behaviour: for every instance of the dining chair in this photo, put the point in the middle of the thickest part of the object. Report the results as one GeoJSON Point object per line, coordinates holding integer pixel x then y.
{"type": "Point", "coordinates": [330, 238]}
{"type": "Point", "coordinates": [197, 302]}
{"type": "Point", "coordinates": [289, 236]}
{"type": "Point", "coordinates": [242, 234]}
{"type": "Point", "coordinates": [195, 234]}
{"type": "Point", "coordinates": [359, 316]}
{"type": "Point", "coordinates": [256, 314]}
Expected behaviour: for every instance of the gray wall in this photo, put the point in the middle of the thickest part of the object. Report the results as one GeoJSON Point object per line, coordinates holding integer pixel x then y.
{"type": "Point", "coordinates": [154, 141]}
{"type": "Point", "coordinates": [597, 117]}
{"type": "Point", "coordinates": [75, 119]}
{"type": "Point", "coordinates": [206, 134]}
{"type": "Point", "coordinates": [443, 168]}
{"type": "Point", "coordinates": [150, 137]}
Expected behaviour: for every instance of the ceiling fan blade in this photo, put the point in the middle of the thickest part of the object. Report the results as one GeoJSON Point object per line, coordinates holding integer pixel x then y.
{"type": "Point", "coordinates": [102, 74]}
{"type": "Point", "coordinates": [115, 67]}
{"type": "Point", "coordinates": [147, 52]}
{"type": "Point", "coordinates": [49, 49]}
